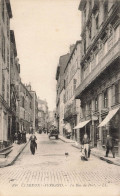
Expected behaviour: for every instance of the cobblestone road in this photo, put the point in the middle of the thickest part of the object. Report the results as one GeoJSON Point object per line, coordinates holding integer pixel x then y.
{"type": "Point", "coordinates": [49, 168]}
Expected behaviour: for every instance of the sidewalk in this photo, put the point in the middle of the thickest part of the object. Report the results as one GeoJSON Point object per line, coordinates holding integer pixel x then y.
{"type": "Point", "coordinates": [66, 140]}
{"type": "Point", "coordinates": [16, 151]}
{"type": "Point", "coordinates": [95, 152]}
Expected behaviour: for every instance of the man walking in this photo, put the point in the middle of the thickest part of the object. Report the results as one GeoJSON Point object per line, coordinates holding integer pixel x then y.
{"type": "Point", "coordinates": [110, 146]}
{"type": "Point", "coordinates": [86, 146]}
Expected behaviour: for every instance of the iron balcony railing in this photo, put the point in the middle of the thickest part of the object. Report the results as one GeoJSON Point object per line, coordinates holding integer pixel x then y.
{"type": "Point", "coordinates": [102, 64]}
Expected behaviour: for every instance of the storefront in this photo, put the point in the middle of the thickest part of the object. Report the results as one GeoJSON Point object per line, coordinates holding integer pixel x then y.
{"type": "Point", "coordinates": [111, 125]}
{"type": "Point", "coordinates": [83, 127]}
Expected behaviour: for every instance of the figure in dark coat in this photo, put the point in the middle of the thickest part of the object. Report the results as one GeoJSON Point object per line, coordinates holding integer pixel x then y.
{"type": "Point", "coordinates": [110, 145]}
{"type": "Point", "coordinates": [33, 143]}
{"type": "Point", "coordinates": [19, 137]}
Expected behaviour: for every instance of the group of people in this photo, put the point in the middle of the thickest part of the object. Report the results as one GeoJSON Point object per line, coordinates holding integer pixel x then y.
{"type": "Point", "coordinates": [110, 143]}
{"type": "Point", "coordinates": [20, 137]}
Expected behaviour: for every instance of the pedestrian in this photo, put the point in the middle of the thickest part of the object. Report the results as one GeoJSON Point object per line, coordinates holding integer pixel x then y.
{"type": "Point", "coordinates": [15, 137]}
{"type": "Point", "coordinates": [24, 136]}
{"type": "Point", "coordinates": [19, 137]}
{"type": "Point", "coordinates": [33, 143]}
{"type": "Point", "coordinates": [110, 142]}
{"type": "Point", "coordinates": [86, 146]}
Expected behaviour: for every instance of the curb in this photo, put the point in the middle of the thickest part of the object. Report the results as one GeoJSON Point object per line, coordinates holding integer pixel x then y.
{"type": "Point", "coordinates": [15, 158]}
{"type": "Point", "coordinates": [66, 140]}
{"type": "Point", "coordinates": [78, 147]}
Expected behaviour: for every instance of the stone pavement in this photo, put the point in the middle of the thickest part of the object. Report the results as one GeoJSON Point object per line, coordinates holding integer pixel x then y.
{"type": "Point", "coordinates": [50, 168]}
{"type": "Point", "coordinates": [94, 151]}
{"type": "Point", "coordinates": [16, 151]}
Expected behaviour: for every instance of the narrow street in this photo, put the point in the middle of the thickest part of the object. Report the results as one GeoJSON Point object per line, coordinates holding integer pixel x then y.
{"type": "Point", "coordinates": [49, 168]}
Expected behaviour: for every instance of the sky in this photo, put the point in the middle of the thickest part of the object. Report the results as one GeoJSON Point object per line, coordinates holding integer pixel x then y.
{"type": "Point", "coordinates": [44, 30]}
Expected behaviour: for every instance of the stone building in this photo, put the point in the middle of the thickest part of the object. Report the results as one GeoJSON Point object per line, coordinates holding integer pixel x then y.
{"type": "Point", "coordinates": [99, 90]}
{"type": "Point", "coordinates": [42, 114]}
{"type": "Point", "coordinates": [72, 79]}
{"type": "Point", "coordinates": [62, 63]}
{"type": "Point", "coordinates": [58, 95]}
{"type": "Point", "coordinates": [5, 112]}
{"type": "Point", "coordinates": [51, 118]}
{"type": "Point", "coordinates": [34, 116]}
{"type": "Point", "coordinates": [14, 84]}
{"type": "Point", "coordinates": [25, 108]}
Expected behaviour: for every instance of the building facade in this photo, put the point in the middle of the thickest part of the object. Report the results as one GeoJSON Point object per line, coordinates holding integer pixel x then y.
{"type": "Point", "coordinates": [99, 90]}
{"type": "Point", "coordinates": [62, 63]}
{"type": "Point", "coordinates": [58, 96]}
{"type": "Point", "coordinates": [34, 116]}
{"type": "Point", "coordinates": [14, 84]}
{"type": "Point", "coordinates": [42, 114]}
{"type": "Point", "coordinates": [71, 81]}
{"type": "Point", "coordinates": [51, 118]}
{"type": "Point", "coordinates": [5, 111]}
{"type": "Point", "coordinates": [26, 98]}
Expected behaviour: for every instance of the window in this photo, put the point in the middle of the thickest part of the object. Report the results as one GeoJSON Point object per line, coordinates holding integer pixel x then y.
{"type": "Point", "coordinates": [30, 105]}
{"type": "Point", "coordinates": [84, 42]}
{"type": "Point", "coordinates": [7, 26]}
{"type": "Point", "coordinates": [74, 84]}
{"type": "Point", "coordinates": [23, 102]}
{"type": "Point", "coordinates": [96, 104]}
{"type": "Point", "coordinates": [97, 22]}
{"type": "Point", "coordinates": [89, 30]}
{"type": "Point", "coordinates": [3, 47]}
{"type": "Point", "coordinates": [8, 59]}
{"type": "Point", "coordinates": [106, 99]}
{"type": "Point", "coordinates": [3, 10]}
{"type": "Point", "coordinates": [117, 93]}
{"type": "Point", "coordinates": [64, 84]}
{"type": "Point", "coordinates": [3, 86]}
{"type": "Point", "coordinates": [85, 13]}
{"type": "Point", "coordinates": [90, 107]}
{"type": "Point", "coordinates": [8, 93]}
{"type": "Point", "coordinates": [83, 112]}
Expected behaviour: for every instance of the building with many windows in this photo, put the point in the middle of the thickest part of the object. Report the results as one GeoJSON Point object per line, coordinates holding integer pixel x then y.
{"type": "Point", "coordinates": [62, 63]}
{"type": "Point", "coordinates": [25, 108]}
{"type": "Point", "coordinates": [14, 85]}
{"type": "Point", "coordinates": [72, 80]}
{"type": "Point", "coordinates": [34, 116]}
{"type": "Point", "coordinates": [58, 96]}
{"type": "Point", "coordinates": [99, 90]}
{"type": "Point", "coordinates": [42, 114]}
{"type": "Point", "coordinates": [5, 112]}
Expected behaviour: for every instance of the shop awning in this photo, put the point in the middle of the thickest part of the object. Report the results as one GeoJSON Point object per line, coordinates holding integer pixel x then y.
{"type": "Point", "coordinates": [82, 124]}
{"type": "Point", "coordinates": [108, 117]}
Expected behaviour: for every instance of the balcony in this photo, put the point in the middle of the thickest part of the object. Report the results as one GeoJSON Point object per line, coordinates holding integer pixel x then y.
{"type": "Point", "coordinates": [70, 110]}
{"type": "Point", "coordinates": [113, 51]}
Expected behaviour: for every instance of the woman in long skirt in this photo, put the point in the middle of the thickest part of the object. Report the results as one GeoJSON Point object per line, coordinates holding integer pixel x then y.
{"type": "Point", "coordinates": [33, 143]}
